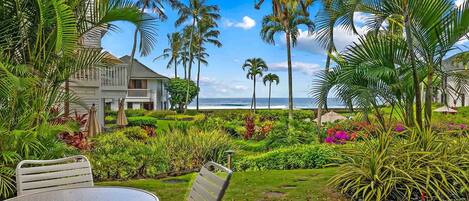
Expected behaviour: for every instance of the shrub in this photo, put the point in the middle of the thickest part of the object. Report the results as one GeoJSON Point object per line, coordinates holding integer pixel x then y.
{"type": "Point", "coordinates": [183, 117]}
{"type": "Point", "coordinates": [160, 114]}
{"type": "Point", "coordinates": [135, 133]}
{"type": "Point", "coordinates": [135, 112]}
{"type": "Point", "coordinates": [192, 148]}
{"type": "Point", "coordinates": [298, 132]}
{"type": "Point", "coordinates": [115, 156]}
{"type": "Point", "coordinates": [110, 119]}
{"type": "Point", "coordinates": [177, 89]}
{"type": "Point", "coordinates": [296, 157]}
{"type": "Point", "coordinates": [142, 121]}
{"type": "Point", "coordinates": [423, 165]}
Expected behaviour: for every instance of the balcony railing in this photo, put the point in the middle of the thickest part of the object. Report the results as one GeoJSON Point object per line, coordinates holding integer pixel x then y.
{"type": "Point", "coordinates": [114, 76]}
{"type": "Point", "coordinates": [138, 93]}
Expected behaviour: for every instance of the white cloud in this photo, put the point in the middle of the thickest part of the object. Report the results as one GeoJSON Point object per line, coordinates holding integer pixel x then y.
{"type": "Point", "coordinates": [246, 24]}
{"type": "Point", "coordinates": [342, 38]}
{"type": "Point", "coordinates": [360, 17]}
{"type": "Point", "coordinates": [306, 68]}
{"type": "Point", "coordinates": [211, 87]}
{"type": "Point", "coordinates": [458, 3]}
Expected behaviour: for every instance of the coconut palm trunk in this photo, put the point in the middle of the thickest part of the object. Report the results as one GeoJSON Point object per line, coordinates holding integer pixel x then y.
{"type": "Point", "coordinates": [198, 82]}
{"type": "Point", "coordinates": [134, 48]}
{"type": "Point", "coordinates": [254, 95]}
{"type": "Point", "coordinates": [270, 92]}
{"type": "Point", "coordinates": [290, 77]}
{"type": "Point", "coordinates": [418, 100]}
{"type": "Point", "coordinates": [190, 64]}
{"type": "Point", "coordinates": [428, 96]}
{"type": "Point", "coordinates": [175, 68]}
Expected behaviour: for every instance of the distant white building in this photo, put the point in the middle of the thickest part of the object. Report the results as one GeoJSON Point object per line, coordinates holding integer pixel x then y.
{"type": "Point", "coordinates": [456, 91]}
{"type": "Point", "coordinates": [105, 86]}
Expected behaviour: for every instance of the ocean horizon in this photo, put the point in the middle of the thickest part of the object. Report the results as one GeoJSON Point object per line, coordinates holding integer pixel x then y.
{"type": "Point", "coordinates": [262, 103]}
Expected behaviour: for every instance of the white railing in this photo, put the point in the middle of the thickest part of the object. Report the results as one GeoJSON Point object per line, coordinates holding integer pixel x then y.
{"type": "Point", "coordinates": [114, 76]}
{"type": "Point", "coordinates": [89, 74]}
{"type": "Point", "coordinates": [138, 93]}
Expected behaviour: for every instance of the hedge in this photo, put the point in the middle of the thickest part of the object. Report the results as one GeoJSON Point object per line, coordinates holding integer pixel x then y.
{"type": "Point", "coordinates": [296, 157]}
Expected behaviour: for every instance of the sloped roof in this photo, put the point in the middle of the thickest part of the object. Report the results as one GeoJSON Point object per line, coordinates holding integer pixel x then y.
{"type": "Point", "coordinates": [108, 57]}
{"type": "Point", "coordinates": [449, 65]}
{"type": "Point", "coordinates": [140, 70]}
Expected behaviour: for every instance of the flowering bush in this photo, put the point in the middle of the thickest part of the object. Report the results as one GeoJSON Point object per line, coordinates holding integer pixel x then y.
{"type": "Point", "coordinates": [250, 125]}
{"type": "Point", "coordinates": [339, 137]}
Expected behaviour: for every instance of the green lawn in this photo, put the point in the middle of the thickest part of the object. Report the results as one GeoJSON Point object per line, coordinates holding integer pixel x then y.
{"type": "Point", "coordinates": [259, 185]}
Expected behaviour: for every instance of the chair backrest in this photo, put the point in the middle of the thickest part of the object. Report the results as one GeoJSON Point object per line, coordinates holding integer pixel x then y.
{"type": "Point", "coordinates": [33, 176]}
{"type": "Point", "coordinates": [209, 186]}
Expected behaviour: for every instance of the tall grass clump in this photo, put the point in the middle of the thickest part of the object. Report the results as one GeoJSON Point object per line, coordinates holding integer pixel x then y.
{"type": "Point", "coordinates": [192, 148]}
{"type": "Point", "coordinates": [421, 165]}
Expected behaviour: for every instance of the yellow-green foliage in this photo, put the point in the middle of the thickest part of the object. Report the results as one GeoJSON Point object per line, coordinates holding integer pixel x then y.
{"type": "Point", "coordinates": [193, 148]}
{"type": "Point", "coordinates": [160, 114]}
{"type": "Point", "coordinates": [390, 168]}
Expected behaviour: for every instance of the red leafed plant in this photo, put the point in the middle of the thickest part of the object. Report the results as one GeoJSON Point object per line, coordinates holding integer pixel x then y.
{"type": "Point", "coordinates": [77, 139]}
{"type": "Point", "coordinates": [250, 125]}
{"type": "Point", "coordinates": [151, 131]}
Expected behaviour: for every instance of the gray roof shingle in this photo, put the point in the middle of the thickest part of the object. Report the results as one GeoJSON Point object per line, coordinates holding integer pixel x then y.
{"type": "Point", "coordinates": [140, 70]}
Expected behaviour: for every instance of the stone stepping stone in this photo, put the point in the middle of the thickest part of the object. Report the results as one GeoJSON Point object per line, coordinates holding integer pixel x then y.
{"type": "Point", "coordinates": [174, 181]}
{"type": "Point", "coordinates": [274, 194]}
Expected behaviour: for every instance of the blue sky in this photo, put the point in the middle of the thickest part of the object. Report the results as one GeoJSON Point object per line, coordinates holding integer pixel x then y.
{"type": "Point", "coordinates": [240, 35]}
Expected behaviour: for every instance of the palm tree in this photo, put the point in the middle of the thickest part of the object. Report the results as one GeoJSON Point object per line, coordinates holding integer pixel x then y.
{"type": "Point", "coordinates": [255, 67]}
{"type": "Point", "coordinates": [428, 37]}
{"type": "Point", "coordinates": [156, 6]}
{"type": "Point", "coordinates": [334, 13]}
{"type": "Point", "coordinates": [194, 12]}
{"type": "Point", "coordinates": [271, 78]}
{"type": "Point", "coordinates": [175, 43]}
{"type": "Point", "coordinates": [206, 33]}
{"type": "Point", "coordinates": [287, 23]}
{"type": "Point", "coordinates": [40, 49]}
{"type": "Point", "coordinates": [278, 4]}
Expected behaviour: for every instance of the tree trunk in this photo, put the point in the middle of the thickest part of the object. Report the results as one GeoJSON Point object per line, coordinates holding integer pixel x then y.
{"type": "Point", "coordinates": [190, 65]}
{"type": "Point", "coordinates": [416, 82]}
{"type": "Point", "coordinates": [319, 114]}
{"type": "Point", "coordinates": [134, 48]}
{"type": "Point", "coordinates": [270, 92]}
{"type": "Point", "coordinates": [175, 68]}
{"type": "Point", "coordinates": [254, 95]}
{"type": "Point", "coordinates": [198, 81]}
{"type": "Point", "coordinates": [67, 99]}
{"type": "Point", "coordinates": [428, 97]}
{"type": "Point", "coordinates": [290, 78]}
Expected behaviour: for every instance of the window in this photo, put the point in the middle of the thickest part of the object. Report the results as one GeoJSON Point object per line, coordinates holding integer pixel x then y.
{"type": "Point", "coordinates": [138, 84]}
{"type": "Point", "coordinates": [129, 105]}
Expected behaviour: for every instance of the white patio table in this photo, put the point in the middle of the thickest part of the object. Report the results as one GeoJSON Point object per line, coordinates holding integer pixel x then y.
{"type": "Point", "coordinates": [90, 194]}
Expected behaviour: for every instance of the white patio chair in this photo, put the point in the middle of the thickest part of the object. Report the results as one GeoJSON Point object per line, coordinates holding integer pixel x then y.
{"type": "Point", "coordinates": [33, 176]}
{"type": "Point", "coordinates": [209, 186]}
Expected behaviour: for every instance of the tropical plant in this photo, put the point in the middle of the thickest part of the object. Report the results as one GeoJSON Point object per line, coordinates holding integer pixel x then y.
{"type": "Point", "coordinates": [173, 52]}
{"type": "Point", "coordinates": [334, 13]}
{"type": "Point", "coordinates": [271, 78]}
{"type": "Point", "coordinates": [177, 89]}
{"type": "Point", "coordinates": [147, 43]}
{"type": "Point", "coordinates": [39, 50]}
{"type": "Point", "coordinates": [194, 12]}
{"type": "Point", "coordinates": [429, 38]}
{"type": "Point", "coordinates": [424, 165]}
{"type": "Point", "coordinates": [254, 67]}
{"type": "Point", "coordinates": [287, 21]}
{"type": "Point", "coordinates": [206, 33]}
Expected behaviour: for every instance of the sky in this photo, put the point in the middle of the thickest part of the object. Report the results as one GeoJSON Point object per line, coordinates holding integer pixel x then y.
{"type": "Point", "coordinates": [240, 27]}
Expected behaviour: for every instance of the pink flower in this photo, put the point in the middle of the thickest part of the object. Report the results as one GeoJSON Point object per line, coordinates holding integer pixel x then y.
{"type": "Point", "coordinates": [341, 135]}
{"type": "Point", "coordinates": [399, 128]}
{"type": "Point", "coordinates": [329, 140]}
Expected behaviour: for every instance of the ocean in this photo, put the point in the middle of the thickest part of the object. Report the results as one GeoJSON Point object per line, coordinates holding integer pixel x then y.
{"type": "Point", "coordinates": [262, 103]}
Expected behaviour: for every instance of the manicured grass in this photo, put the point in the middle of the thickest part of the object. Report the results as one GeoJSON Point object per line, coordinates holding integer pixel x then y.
{"type": "Point", "coordinates": [258, 185]}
